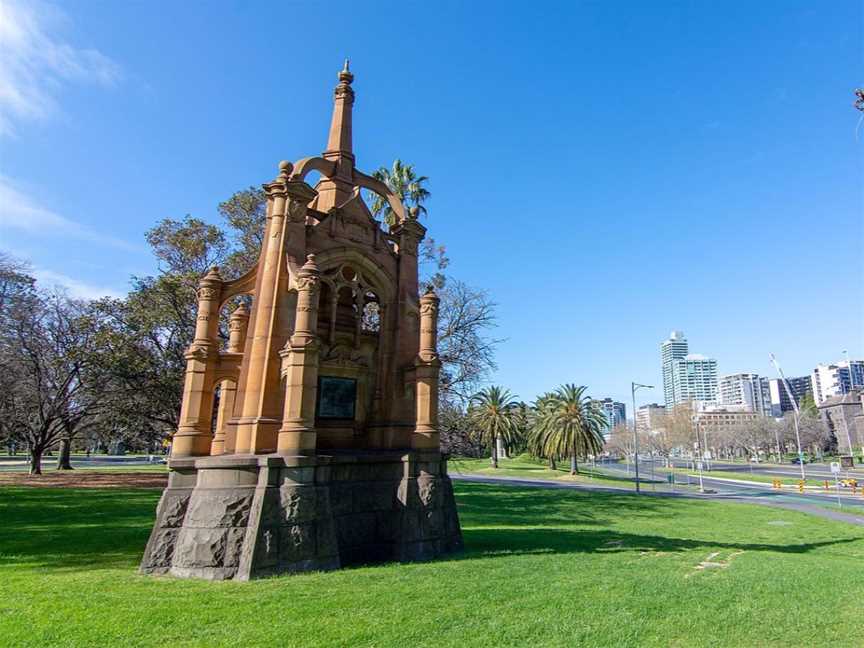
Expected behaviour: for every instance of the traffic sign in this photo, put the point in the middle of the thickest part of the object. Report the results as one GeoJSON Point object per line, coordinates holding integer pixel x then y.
{"type": "Point", "coordinates": [835, 467]}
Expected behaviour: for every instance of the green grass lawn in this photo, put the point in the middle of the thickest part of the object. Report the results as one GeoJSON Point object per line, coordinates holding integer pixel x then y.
{"type": "Point", "coordinates": [527, 467]}
{"type": "Point", "coordinates": [541, 568]}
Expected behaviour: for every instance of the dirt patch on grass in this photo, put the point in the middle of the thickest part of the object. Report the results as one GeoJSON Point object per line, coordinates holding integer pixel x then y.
{"type": "Point", "coordinates": [85, 479]}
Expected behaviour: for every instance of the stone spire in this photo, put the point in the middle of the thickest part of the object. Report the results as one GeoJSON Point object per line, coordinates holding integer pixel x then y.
{"type": "Point", "coordinates": [339, 143]}
{"type": "Point", "coordinates": [340, 149]}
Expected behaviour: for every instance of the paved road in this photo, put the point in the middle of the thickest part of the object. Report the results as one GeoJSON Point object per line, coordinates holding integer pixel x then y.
{"type": "Point", "coordinates": [851, 515]}
{"type": "Point", "coordinates": [761, 492]}
{"type": "Point", "coordinates": [19, 462]}
{"type": "Point", "coordinates": [813, 471]}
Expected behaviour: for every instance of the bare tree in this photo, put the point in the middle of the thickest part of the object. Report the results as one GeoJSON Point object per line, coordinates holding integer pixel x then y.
{"type": "Point", "coordinates": [44, 346]}
{"type": "Point", "coordinates": [467, 351]}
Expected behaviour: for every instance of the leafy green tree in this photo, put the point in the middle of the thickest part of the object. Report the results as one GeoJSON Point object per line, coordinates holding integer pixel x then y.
{"type": "Point", "coordinates": [244, 214]}
{"type": "Point", "coordinates": [568, 422]}
{"type": "Point", "coordinates": [494, 415]}
{"type": "Point", "coordinates": [807, 406]}
{"type": "Point", "coordinates": [403, 181]}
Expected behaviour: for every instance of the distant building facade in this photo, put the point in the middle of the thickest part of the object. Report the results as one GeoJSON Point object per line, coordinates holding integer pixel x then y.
{"type": "Point", "coordinates": [686, 376]}
{"type": "Point", "coordinates": [709, 419]}
{"type": "Point", "coordinates": [615, 413]}
{"type": "Point", "coordinates": [780, 401]}
{"type": "Point", "coordinates": [844, 417]}
{"type": "Point", "coordinates": [836, 379]}
{"type": "Point", "coordinates": [747, 389]}
{"type": "Point", "coordinates": [650, 417]}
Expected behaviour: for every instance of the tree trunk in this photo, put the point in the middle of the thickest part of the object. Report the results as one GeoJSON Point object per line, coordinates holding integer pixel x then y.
{"type": "Point", "coordinates": [552, 463]}
{"type": "Point", "coordinates": [495, 452]}
{"type": "Point", "coordinates": [574, 467]}
{"type": "Point", "coordinates": [64, 458]}
{"type": "Point", "coordinates": [35, 461]}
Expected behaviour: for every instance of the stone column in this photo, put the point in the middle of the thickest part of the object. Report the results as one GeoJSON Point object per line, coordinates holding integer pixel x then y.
{"type": "Point", "coordinates": [427, 366]}
{"type": "Point", "coordinates": [259, 392]}
{"type": "Point", "coordinates": [297, 434]}
{"type": "Point", "coordinates": [236, 339]}
{"type": "Point", "coordinates": [258, 423]}
{"type": "Point", "coordinates": [193, 435]}
{"type": "Point", "coordinates": [409, 233]}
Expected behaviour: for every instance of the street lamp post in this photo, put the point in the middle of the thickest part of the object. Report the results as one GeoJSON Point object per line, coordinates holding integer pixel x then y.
{"type": "Point", "coordinates": [633, 387]}
{"type": "Point", "coordinates": [797, 413]}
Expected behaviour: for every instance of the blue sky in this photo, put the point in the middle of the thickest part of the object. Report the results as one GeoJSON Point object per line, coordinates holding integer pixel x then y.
{"type": "Point", "coordinates": [608, 171]}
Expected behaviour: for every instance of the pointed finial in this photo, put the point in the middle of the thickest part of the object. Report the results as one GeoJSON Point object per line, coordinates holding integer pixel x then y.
{"type": "Point", "coordinates": [345, 75]}
{"type": "Point", "coordinates": [285, 169]}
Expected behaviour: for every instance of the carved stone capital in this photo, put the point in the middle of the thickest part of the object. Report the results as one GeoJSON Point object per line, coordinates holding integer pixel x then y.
{"type": "Point", "coordinates": [309, 283]}
{"type": "Point", "coordinates": [210, 286]}
{"type": "Point", "coordinates": [200, 351]}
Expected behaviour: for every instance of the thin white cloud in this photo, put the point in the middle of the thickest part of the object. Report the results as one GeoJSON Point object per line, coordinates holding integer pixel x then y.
{"type": "Point", "coordinates": [76, 288]}
{"type": "Point", "coordinates": [18, 211]}
{"type": "Point", "coordinates": [35, 62]}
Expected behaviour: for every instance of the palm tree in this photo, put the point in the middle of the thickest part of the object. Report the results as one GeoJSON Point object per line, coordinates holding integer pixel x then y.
{"type": "Point", "coordinates": [568, 422]}
{"type": "Point", "coordinates": [537, 416]}
{"type": "Point", "coordinates": [494, 414]}
{"type": "Point", "coordinates": [406, 184]}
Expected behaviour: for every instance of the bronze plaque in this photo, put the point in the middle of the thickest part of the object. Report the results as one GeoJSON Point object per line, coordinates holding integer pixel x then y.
{"type": "Point", "coordinates": [336, 397]}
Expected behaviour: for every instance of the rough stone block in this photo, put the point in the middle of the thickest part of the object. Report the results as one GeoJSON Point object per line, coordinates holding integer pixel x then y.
{"type": "Point", "coordinates": [272, 513]}
{"type": "Point", "coordinates": [218, 509]}
{"type": "Point", "coordinates": [296, 542]}
{"type": "Point", "coordinates": [406, 494]}
{"type": "Point", "coordinates": [298, 503]}
{"type": "Point", "coordinates": [298, 475]}
{"type": "Point", "coordinates": [233, 546]}
{"type": "Point", "coordinates": [387, 526]}
{"type": "Point", "coordinates": [432, 523]}
{"type": "Point", "coordinates": [429, 491]}
{"type": "Point", "coordinates": [267, 549]}
{"type": "Point", "coordinates": [428, 469]}
{"type": "Point", "coordinates": [201, 548]}
{"type": "Point", "coordinates": [410, 525]}
{"type": "Point", "coordinates": [344, 472]}
{"type": "Point", "coordinates": [311, 564]}
{"type": "Point", "coordinates": [161, 548]}
{"type": "Point", "coordinates": [424, 550]}
{"type": "Point", "coordinates": [326, 544]}
{"type": "Point", "coordinates": [374, 496]}
{"type": "Point", "coordinates": [172, 509]}
{"type": "Point", "coordinates": [355, 529]}
{"type": "Point", "coordinates": [341, 498]}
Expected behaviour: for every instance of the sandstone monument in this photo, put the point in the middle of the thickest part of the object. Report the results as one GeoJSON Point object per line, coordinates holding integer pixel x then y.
{"type": "Point", "coordinates": [324, 450]}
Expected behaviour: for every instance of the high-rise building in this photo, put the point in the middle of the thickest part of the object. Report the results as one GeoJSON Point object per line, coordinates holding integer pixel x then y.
{"type": "Point", "coordinates": [747, 389]}
{"type": "Point", "coordinates": [836, 379]}
{"type": "Point", "coordinates": [650, 417]}
{"type": "Point", "coordinates": [615, 413]}
{"type": "Point", "coordinates": [686, 376]}
{"type": "Point", "coordinates": [780, 402]}
{"type": "Point", "coordinates": [675, 348]}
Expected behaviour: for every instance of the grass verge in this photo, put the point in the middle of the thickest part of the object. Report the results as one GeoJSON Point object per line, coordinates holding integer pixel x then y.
{"type": "Point", "coordinates": [542, 568]}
